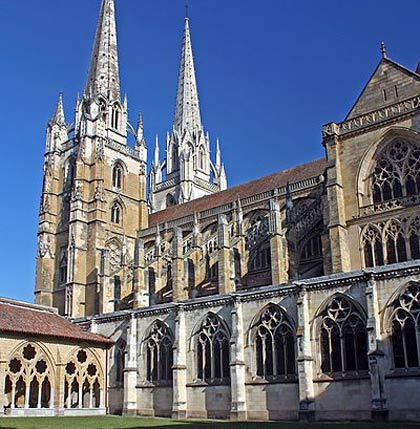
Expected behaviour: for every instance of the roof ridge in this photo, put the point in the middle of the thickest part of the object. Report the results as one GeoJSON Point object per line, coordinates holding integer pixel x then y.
{"type": "Point", "coordinates": [28, 305]}
{"type": "Point", "coordinates": [226, 196]}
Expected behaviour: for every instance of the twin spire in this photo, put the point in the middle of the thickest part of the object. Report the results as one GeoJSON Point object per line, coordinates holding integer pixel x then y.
{"type": "Point", "coordinates": [187, 109]}
{"type": "Point", "coordinates": [103, 78]}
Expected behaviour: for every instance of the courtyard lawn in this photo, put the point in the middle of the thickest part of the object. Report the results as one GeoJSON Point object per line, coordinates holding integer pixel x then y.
{"type": "Point", "coordinates": [113, 422]}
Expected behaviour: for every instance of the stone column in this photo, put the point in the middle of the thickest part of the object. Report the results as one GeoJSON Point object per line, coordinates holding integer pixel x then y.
{"type": "Point", "coordinates": [38, 405]}
{"type": "Point", "coordinates": [305, 359]}
{"type": "Point", "coordinates": [2, 384]}
{"type": "Point", "coordinates": [336, 214]}
{"type": "Point", "coordinates": [224, 262]}
{"type": "Point", "coordinates": [238, 410]}
{"type": "Point", "coordinates": [278, 246]}
{"type": "Point", "coordinates": [80, 396]}
{"type": "Point", "coordinates": [52, 396]}
{"type": "Point", "coordinates": [60, 393]}
{"type": "Point", "coordinates": [141, 294]}
{"type": "Point", "coordinates": [13, 405]}
{"type": "Point", "coordinates": [27, 392]}
{"type": "Point", "coordinates": [376, 355]}
{"type": "Point", "coordinates": [130, 371]}
{"type": "Point", "coordinates": [179, 401]}
{"type": "Point", "coordinates": [179, 285]}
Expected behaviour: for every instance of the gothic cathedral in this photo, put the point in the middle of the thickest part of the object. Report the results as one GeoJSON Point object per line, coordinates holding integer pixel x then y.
{"type": "Point", "coordinates": [294, 296]}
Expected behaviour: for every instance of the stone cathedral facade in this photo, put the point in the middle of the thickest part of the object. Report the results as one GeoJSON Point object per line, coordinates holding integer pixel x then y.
{"type": "Point", "coordinates": [294, 296]}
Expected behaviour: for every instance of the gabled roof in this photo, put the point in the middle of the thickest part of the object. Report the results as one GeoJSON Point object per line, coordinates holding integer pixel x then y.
{"type": "Point", "coordinates": [267, 183]}
{"type": "Point", "coordinates": [26, 319]}
{"type": "Point", "coordinates": [397, 81]}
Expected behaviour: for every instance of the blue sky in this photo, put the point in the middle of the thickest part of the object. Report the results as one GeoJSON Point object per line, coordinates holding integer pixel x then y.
{"type": "Point", "coordinates": [270, 73]}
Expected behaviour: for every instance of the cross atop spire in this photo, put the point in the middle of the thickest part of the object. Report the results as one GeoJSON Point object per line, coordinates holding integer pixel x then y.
{"type": "Point", "coordinates": [103, 78]}
{"type": "Point", "coordinates": [187, 110]}
{"type": "Point", "coordinates": [59, 117]}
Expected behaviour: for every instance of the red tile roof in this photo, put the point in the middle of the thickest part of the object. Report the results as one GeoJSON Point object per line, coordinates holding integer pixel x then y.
{"type": "Point", "coordinates": [267, 183]}
{"type": "Point", "coordinates": [26, 319]}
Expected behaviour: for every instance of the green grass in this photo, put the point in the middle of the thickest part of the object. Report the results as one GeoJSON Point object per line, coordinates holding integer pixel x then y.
{"type": "Point", "coordinates": [112, 422]}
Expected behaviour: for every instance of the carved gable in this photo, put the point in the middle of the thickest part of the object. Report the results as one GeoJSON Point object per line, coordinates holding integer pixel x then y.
{"type": "Point", "coordinates": [389, 84]}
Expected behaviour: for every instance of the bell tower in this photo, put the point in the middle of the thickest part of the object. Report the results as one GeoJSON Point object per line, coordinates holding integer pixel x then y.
{"type": "Point", "coordinates": [190, 172]}
{"type": "Point", "coordinates": [94, 192]}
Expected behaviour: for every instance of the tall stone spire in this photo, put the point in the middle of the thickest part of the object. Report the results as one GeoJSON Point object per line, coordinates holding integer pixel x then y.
{"type": "Point", "coordinates": [103, 79]}
{"type": "Point", "coordinates": [187, 110]}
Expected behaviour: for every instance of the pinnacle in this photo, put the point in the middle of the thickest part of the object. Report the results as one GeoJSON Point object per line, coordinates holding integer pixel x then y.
{"type": "Point", "coordinates": [59, 117]}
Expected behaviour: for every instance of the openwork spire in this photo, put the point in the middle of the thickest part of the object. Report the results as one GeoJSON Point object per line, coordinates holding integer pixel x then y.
{"type": "Point", "coordinates": [187, 110]}
{"type": "Point", "coordinates": [103, 79]}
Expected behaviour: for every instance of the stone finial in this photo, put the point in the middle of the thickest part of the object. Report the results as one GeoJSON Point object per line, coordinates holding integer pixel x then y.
{"type": "Point", "coordinates": [383, 49]}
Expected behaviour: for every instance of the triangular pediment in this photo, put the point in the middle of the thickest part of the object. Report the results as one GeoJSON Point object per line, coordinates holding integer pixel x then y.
{"type": "Point", "coordinates": [389, 84]}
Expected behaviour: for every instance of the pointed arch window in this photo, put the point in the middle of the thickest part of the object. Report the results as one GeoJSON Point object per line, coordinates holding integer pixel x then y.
{"type": "Point", "coordinates": [159, 354]}
{"type": "Point", "coordinates": [201, 157]}
{"type": "Point", "coordinates": [117, 176]}
{"type": "Point", "coordinates": [70, 172]}
{"type": "Point", "coordinates": [170, 200]}
{"type": "Point", "coordinates": [28, 380]}
{"type": "Point", "coordinates": [342, 337]}
{"type": "Point", "coordinates": [115, 117]}
{"type": "Point", "coordinates": [116, 214]}
{"type": "Point", "coordinates": [213, 354]}
{"type": "Point", "coordinates": [396, 249]}
{"type": "Point", "coordinates": [274, 343]}
{"type": "Point", "coordinates": [405, 322]}
{"type": "Point", "coordinates": [372, 246]}
{"type": "Point", "coordinates": [397, 172]}
{"type": "Point", "coordinates": [82, 382]}
{"type": "Point", "coordinates": [397, 240]}
{"type": "Point", "coordinates": [63, 265]}
{"type": "Point", "coordinates": [119, 361]}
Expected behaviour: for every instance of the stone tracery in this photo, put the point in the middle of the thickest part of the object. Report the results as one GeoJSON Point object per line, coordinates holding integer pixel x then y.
{"type": "Point", "coordinates": [397, 172]}
{"type": "Point", "coordinates": [213, 354]}
{"type": "Point", "coordinates": [83, 383]}
{"type": "Point", "coordinates": [405, 322]}
{"type": "Point", "coordinates": [343, 337]}
{"type": "Point", "coordinates": [28, 379]}
{"type": "Point", "coordinates": [274, 345]}
{"type": "Point", "coordinates": [158, 354]}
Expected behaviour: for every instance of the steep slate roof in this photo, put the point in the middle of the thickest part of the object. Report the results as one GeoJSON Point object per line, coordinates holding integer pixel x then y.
{"type": "Point", "coordinates": [27, 319]}
{"type": "Point", "coordinates": [267, 183]}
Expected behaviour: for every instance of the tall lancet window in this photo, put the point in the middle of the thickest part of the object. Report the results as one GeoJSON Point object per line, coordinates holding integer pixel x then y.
{"type": "Point", "coordinates": [343, 337]}
{"type": "Point", "coordinates": [159, 354]}
{"type": "Point", "coordinates": [116, 214]}
{"type": "Point", "coordinates": [405, 320]}
{"type": "Point", "coordinates": [397, 172]}
{"type": "Point", "coordinates": [117, 176]}
{"type": "Point", "coordinates": [213, 355]}
{"type": "Point", "coordinates": [115, 117]}
{"type": "Point", "coordinates": [274, 345]}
